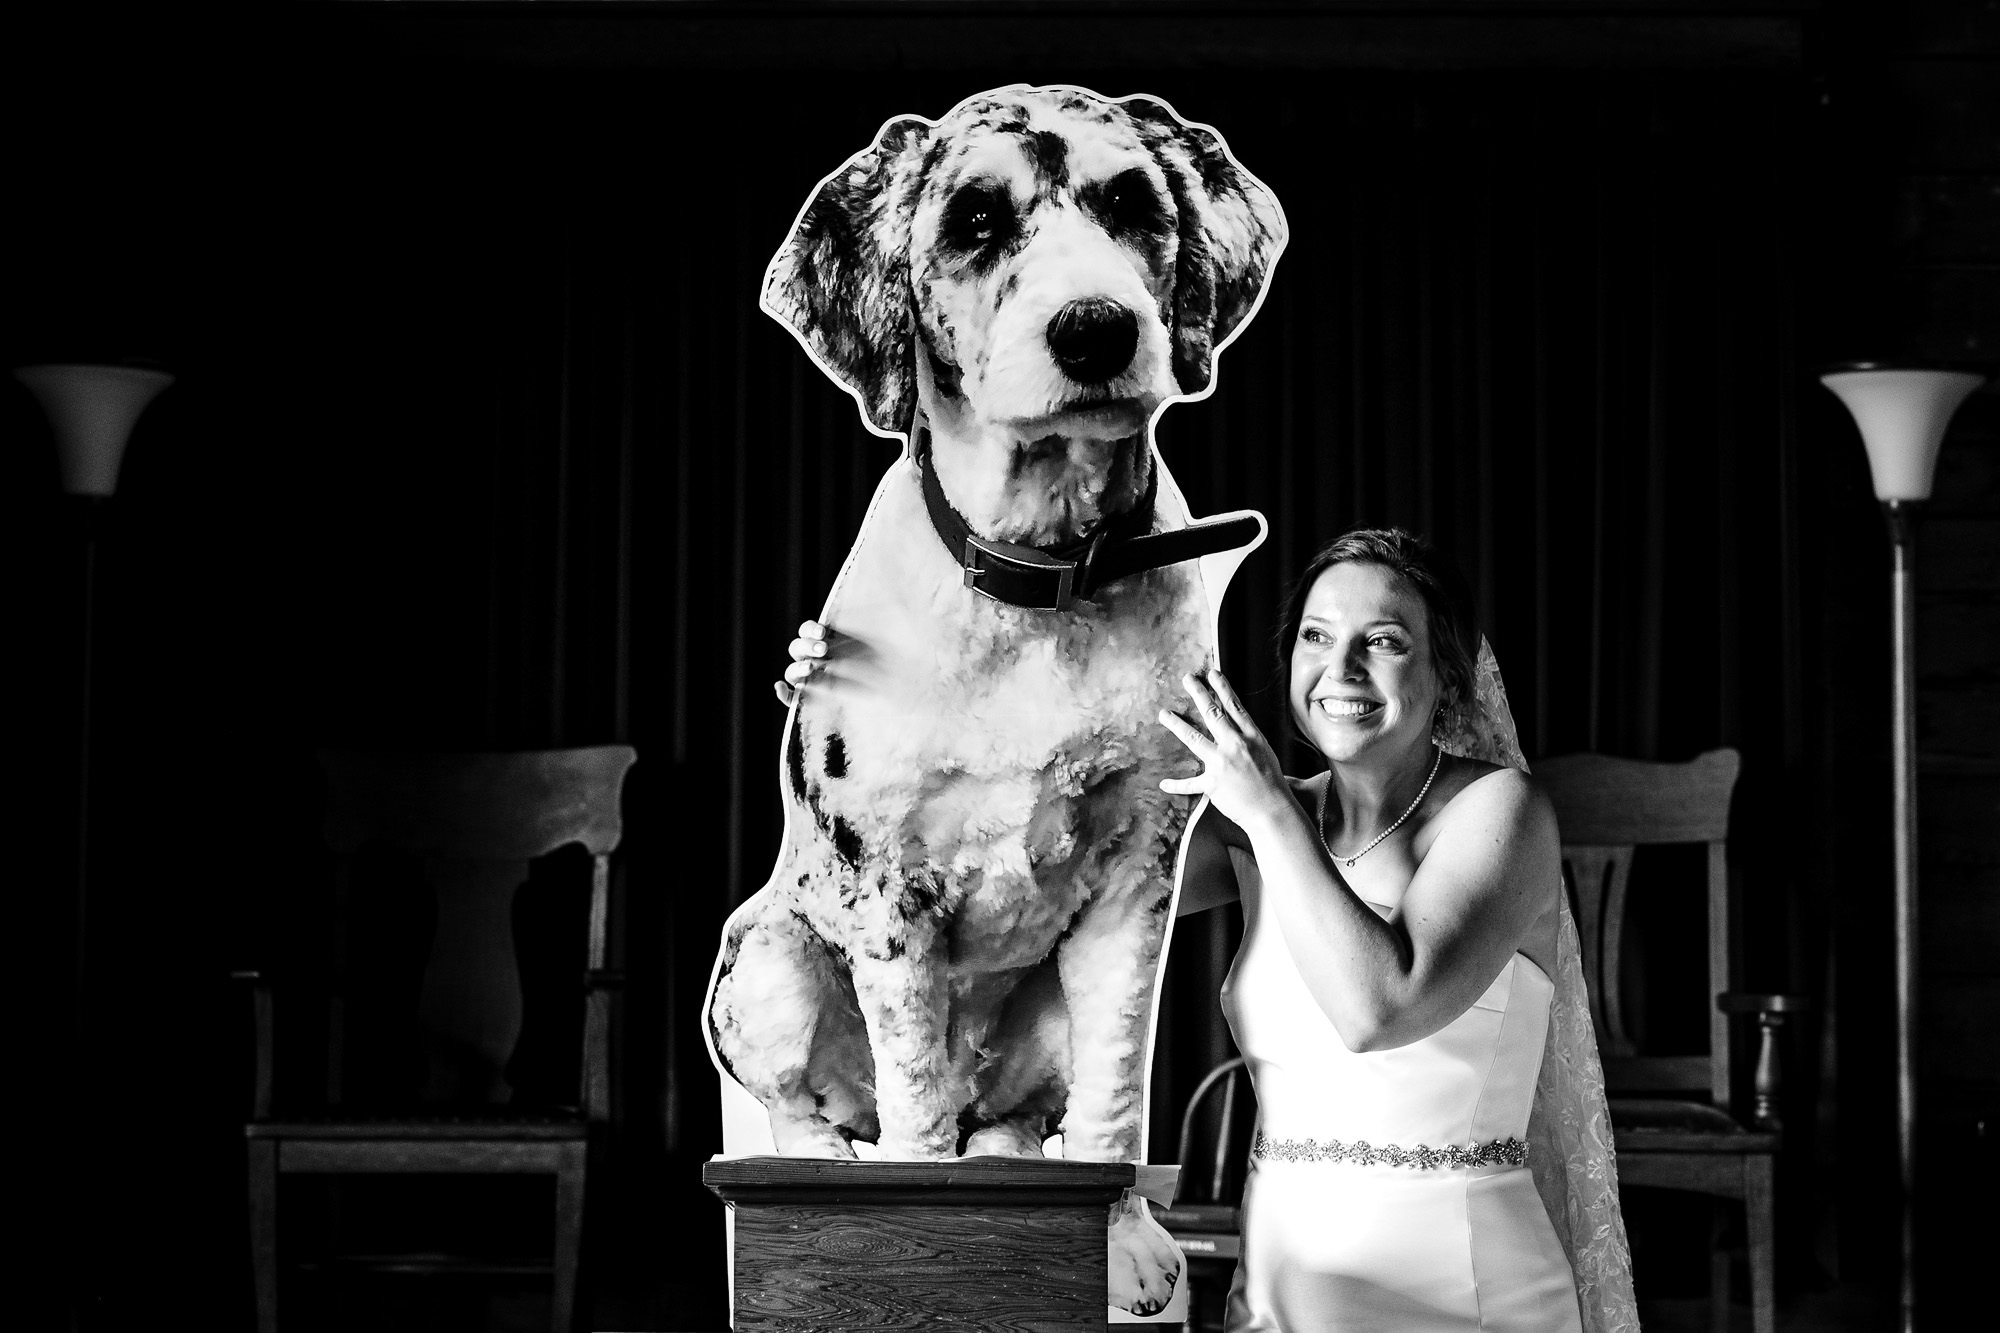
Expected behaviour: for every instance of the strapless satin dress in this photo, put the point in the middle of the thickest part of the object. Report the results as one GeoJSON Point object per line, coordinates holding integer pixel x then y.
{"type": "Point", "coordinates": [1339, 1246]}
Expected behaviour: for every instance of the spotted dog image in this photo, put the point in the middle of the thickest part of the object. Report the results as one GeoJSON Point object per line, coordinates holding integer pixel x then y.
{"type": "Point", "coordinates": [958, 949]}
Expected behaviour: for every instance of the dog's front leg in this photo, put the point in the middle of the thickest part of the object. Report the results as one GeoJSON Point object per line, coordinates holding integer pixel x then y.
{"type": "Point", "coordinates": [1107, 964]}
{"type": "Point", "coordinates": [905, 1001]}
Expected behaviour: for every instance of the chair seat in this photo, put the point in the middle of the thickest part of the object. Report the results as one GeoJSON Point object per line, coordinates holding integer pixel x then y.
{"type": "Point", "coordinates": [1203, 1230]}
{"type": "Point", "coordinates": [1209, 1244]}
{"type": "Point", "coordinates": [1197, 1217]}
{"type": "Point", "coordinates": [552, 1125]}
{"type": "Point", "coordinates": [1648, 1124]}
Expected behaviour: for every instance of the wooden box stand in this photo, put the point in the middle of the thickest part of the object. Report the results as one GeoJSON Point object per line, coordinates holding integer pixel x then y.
{"type": "Point", "coordinates": [982, 1242]}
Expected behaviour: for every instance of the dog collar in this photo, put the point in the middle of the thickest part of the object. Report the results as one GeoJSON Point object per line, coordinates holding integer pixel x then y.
{"type": "Point", "coordinates": [1053, 578]}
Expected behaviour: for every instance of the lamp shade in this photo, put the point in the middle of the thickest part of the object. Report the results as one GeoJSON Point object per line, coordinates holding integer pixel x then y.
{"type": "Point", "coordinates": [1902, 413]}
{"type": "Point", "coordinates": [92, 410]}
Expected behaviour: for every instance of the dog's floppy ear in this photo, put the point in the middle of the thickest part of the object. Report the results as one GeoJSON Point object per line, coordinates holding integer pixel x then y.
{"type": "Point", "coordinates": [841, 281]}
{"type": "Point", "coordinates": [1231, 230]}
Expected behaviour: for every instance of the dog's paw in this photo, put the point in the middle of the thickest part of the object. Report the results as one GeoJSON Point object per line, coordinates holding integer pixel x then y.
{"type": "Point", "coordinates": [808, 1138]}
{"type": "Point", "coordinates": [1145, 1263]}
{"type": "Point", "coordinates": [1003, 1140]}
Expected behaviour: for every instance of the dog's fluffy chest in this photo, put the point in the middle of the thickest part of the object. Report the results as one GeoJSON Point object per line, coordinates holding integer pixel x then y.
{"type": "Point", "coordinates": [943, 681]}
{"type": "Point", "coordinates": [997, 755]}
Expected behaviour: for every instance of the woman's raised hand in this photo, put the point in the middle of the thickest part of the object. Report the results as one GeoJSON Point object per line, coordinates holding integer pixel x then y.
{"type": "Point", "coordinates": [807, 652]}
{"type": "Point", "coordinates": [1239, 772]}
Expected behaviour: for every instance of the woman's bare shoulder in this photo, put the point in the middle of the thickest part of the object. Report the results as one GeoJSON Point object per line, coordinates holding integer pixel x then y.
{"type": "Point", "coordinates": [1480, 783]}
{"type": "Point", "coordinates": [1492, 800]}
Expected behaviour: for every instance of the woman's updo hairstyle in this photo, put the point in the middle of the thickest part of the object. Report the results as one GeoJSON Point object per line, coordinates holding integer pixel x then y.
{"type": "Point", "coordinates": [1454, 623]}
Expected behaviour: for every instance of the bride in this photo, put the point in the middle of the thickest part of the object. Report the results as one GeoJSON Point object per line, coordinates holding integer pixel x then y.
{"type": "Point", "coordinates": [1406, 949]}
{"type": "Point", "coordinates": [1432, 1150]}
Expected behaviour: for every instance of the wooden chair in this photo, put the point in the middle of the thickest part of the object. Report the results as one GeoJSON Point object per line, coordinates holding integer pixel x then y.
{"type": "Point", "coordinates": [473, 822]}
{"type": "Point", "coordinates": [1205, 1219]}
{"type": "Point", "coordinates": [1677, 1120]}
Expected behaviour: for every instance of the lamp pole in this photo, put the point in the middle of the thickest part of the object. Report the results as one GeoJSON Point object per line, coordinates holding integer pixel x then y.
{"type": "Point", "coordinates": [1902, 412]}
{"type": "Point", "coordinates": [1903, 768]}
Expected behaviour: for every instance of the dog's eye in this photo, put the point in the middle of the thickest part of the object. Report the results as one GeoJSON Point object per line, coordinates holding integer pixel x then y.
{"type": "Point", "coordinates": [977, 217]}
{"type": "Point", "coordinates": [1128, 203]}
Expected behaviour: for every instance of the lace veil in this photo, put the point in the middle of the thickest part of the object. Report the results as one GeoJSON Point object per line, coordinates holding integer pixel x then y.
{"type": "Point", "coordinates": [1569, 1130]}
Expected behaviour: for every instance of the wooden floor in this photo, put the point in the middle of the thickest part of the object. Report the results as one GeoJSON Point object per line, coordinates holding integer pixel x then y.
{"type": "Point", "coordinates": [521, 1308]}
{"type": "Point", "coordinates": [1834, 1311]}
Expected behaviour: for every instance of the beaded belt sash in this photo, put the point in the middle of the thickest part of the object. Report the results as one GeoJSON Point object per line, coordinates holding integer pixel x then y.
{"type": "Point", "coordinates": [1500, 1152]}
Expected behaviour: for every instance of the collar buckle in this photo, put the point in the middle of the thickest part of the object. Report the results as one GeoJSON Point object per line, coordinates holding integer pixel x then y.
{"type": "Point", "coordinates": [982, 558]}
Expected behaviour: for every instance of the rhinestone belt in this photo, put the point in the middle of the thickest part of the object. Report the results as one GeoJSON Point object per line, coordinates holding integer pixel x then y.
{"type": "Point", "coordinates": [1500, 1152]}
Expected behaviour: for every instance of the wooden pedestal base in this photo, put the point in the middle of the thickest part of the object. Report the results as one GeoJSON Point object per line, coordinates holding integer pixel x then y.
{"type": "Point", "coordinates": [983, 1242]}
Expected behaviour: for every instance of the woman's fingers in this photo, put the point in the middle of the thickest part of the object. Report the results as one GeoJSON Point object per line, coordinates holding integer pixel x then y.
{"type": "Point", "coordinates": [806, 651]}
{"type": "Point", "coordinates": [1201, 747]}
{"type": "Point", "coordinates": [1225, 694]}
{"type": "Point", "coordinates": [1212, 710]}
{"type": "Point", "coordinates": [796, 675]}
{"type": "Point", "coordinates": [1189, 734]}
{"type": "Point", "coordinates": [1199, 743]}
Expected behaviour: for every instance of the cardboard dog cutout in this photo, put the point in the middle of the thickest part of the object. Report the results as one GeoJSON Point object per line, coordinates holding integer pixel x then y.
{"type": "Point", "coordinates": [958, 949]}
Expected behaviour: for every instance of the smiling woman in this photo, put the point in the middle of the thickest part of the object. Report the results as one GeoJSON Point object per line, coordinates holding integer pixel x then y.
{"type": "Point", "coordinates": [1425, 599]}
{"type": "Point", "coordinates": [1401, 964]}
{"type": "Point", "coordinates": [1379, 636]}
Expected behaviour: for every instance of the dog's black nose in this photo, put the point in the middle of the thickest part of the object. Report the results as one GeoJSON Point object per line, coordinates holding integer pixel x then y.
{"type": "Point", "coordinates": [1093, 339]}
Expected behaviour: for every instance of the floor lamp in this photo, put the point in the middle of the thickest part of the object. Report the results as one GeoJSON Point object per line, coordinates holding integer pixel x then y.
{"type": "Point", "coordinates": [91, 411]}
{"type": "Point", "coordinates": [1902, 412]}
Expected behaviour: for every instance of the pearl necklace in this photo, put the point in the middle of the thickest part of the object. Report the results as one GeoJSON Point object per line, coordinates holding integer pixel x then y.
{"type": "Point", "coordinates": [1349, 861]}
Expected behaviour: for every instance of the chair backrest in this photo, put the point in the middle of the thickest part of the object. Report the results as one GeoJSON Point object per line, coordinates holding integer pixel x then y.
{"type": "Point", "coordinates": [1608, 807]}
{"type": "Point", "coordinates": [1234, 1116]}
{"type": "Point", "coordinates": [474, 821]}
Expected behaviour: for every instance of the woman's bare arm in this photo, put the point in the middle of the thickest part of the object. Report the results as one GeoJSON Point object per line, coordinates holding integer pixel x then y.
{"type": "Point", "coordinates": [1483, 880]}
{"type": "Point", "coordinates": [1486, 866]}
{"type": "Point", "coordinates": [1207, 877]}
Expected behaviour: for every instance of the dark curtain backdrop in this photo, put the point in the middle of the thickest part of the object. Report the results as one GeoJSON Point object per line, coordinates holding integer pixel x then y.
{"type": "Point", "coordinates": [482, 441]}
{"type": "Point", "coordinates": [1549, 327]}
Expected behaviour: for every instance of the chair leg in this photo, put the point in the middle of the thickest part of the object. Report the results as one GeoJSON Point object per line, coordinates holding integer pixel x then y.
{"type": "Point", "coordinates": [1719, 1267]}
{"type": "Point", "coordinates": [569, 1235]}
{"type": "Point", "coordinates": [1759, 1223]}
{"type": "Point", "coordinates": [264, 1231]}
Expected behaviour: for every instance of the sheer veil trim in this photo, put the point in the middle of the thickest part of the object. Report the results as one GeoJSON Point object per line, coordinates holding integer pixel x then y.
{"type": "Point", "coordinates": [1569, 1131]}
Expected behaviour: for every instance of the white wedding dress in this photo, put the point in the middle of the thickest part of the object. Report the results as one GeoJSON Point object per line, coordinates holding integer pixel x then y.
{"type": "Point", "coordinates": [1336, 1234]}
{"type": "Point", "coordinates": [1387, 1192]}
